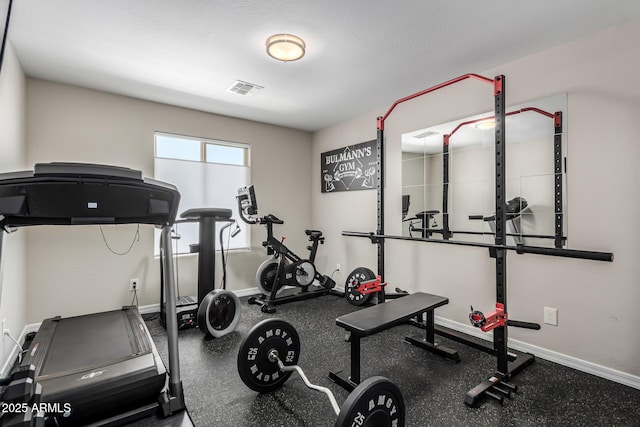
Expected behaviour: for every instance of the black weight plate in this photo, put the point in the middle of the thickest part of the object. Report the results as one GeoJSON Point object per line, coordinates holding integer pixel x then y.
{"type": "Point", "coordinates": [256, 370]}
{"type": "Point", "coordinates": [219, 313]}
{"type": "Point", "coordinates": [376, 402]}
{"type": "Point", "coordinates": [357, 276]}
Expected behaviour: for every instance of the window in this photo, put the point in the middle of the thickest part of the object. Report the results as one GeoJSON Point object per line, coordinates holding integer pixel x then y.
{"type": "Point", "coordinates": [207, 173]}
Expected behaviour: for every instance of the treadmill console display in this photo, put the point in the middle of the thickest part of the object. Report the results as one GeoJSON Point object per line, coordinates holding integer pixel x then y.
{"type": "Point", "coordinates": [68, 194]}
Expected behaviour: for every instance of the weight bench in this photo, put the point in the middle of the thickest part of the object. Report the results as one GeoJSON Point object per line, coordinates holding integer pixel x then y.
{"type": "Point", "coordinates": [379, 317]}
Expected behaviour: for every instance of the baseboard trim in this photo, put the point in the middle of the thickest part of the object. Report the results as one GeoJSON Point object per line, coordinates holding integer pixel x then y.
{"type": "Point", "coordinates": [247, 292]}
{"type": "Point", "coordinates": [550, 355]}
{"type": "Point", "coordinates": [149, 309]}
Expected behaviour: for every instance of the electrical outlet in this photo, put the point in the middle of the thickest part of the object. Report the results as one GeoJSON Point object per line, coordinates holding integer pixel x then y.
{"type": "Point", "coordinates": [133, 285]}
{"type": "Point", "coordinates": [551, 316]}
{"type": "Point", "coordinates": [338, 267]}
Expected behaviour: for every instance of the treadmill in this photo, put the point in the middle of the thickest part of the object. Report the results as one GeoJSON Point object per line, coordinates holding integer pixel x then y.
{"type": "Point", "coordinates": [105, 366]}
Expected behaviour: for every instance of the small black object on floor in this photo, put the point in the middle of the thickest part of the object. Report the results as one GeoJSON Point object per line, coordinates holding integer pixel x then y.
{"type": "Point", "coordinates": [433, 388]}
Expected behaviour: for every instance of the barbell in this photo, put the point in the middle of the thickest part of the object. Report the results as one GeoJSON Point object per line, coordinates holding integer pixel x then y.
{"type": "Point", "coordinates": [269, 354]}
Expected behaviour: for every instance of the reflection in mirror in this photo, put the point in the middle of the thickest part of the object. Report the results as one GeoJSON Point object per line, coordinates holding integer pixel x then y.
{"type": "Point", "coordinates": [448, 184]}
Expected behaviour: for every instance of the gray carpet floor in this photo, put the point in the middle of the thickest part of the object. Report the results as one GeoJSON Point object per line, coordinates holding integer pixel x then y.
{"type": "Point", "coordinates": [433, 388]}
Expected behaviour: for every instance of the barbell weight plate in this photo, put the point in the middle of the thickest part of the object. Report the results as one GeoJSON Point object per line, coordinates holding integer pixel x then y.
{"type": "Point", "coordinates": [375, 402]}
{"type": "Point", "coordinates": [357, 276]}
{"type": "Point", "coordinates": [219, 313]}
{"type": "Point", "coordinates": [265, 276]}
{"type": "Point", "coordinates": [256, 370]}
{"type": "Point", "coordinates": [477, 318]}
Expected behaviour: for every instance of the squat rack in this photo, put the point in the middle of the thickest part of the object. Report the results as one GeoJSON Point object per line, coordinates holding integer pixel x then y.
{"type": "Point", "coordinates": [508, 365]}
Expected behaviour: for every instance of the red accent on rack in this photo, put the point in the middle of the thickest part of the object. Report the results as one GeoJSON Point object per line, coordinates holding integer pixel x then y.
{"type": "Point", "coordinates": [436, 87]}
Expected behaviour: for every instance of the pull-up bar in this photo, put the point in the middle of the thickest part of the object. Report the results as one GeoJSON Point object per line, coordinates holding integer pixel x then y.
{"type": "Point", "coordinates": [497, 88]}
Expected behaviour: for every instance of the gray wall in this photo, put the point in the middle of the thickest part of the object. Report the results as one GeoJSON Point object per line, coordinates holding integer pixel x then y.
{"type": "Point", "coordinates": [13, 282]}
{"type": "Point", "coordinates": [72, 272]}
{"type": "Point", "coordinates": [596, 301]}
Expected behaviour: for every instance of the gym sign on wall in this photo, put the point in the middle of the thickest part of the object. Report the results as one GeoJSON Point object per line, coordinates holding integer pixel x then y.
{"type": "Point", "coordinates": [350, 168]}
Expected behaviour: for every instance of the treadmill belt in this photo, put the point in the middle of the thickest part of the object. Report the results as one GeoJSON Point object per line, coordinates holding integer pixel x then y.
{"type": "Point", "coordinates": [95, 340]}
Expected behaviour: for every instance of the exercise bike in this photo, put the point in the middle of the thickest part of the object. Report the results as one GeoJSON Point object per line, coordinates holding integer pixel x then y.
{"type": "Point", "coordinates": [215, 312]}
{"type": "Point", "coordinates": [285, 268]}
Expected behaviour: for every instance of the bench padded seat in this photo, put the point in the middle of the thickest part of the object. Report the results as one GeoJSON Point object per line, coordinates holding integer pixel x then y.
{"type": "Point", "coordinates": [379, 317]}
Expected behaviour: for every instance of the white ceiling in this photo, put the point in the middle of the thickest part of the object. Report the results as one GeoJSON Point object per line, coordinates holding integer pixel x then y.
{"type": "Point", "coordinates": [361, 54]}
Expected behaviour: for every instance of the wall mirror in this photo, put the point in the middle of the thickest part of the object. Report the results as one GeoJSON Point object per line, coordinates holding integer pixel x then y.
{"type": "Point", "coordinates": [448, 189]}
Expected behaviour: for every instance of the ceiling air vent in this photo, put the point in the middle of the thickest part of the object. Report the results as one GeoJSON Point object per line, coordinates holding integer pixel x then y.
{"type": "Point", "coordinates": [425, 134]}
{"type": "Point", "coordinates": [245, 88]}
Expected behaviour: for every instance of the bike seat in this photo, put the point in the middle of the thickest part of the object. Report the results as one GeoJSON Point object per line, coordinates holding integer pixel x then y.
{"type": "Point", "coordinates": [313, 234]}
{"type": "Point", "coordinates": [219, 214]}
{"type": "Point", "coordinates": [514, 208]}
{"type": "Point", "coordinates": [427, 214]}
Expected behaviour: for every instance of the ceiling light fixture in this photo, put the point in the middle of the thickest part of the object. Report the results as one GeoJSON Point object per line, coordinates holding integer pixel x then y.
{"type": "Point", "coordinates": [285, 47]}
{"type": "Point", "coordinates": [486, 124]}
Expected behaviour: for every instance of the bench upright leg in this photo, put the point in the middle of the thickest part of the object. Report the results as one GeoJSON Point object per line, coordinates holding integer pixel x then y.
{"type": "Point", "coordinates": [429, 344]}
{"type": "Point", "coordinates": [430, 327]}
{"type": "Point", "coordinates": [355, 359]}
{"type": "Point", "coordinates": [351, 382]}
